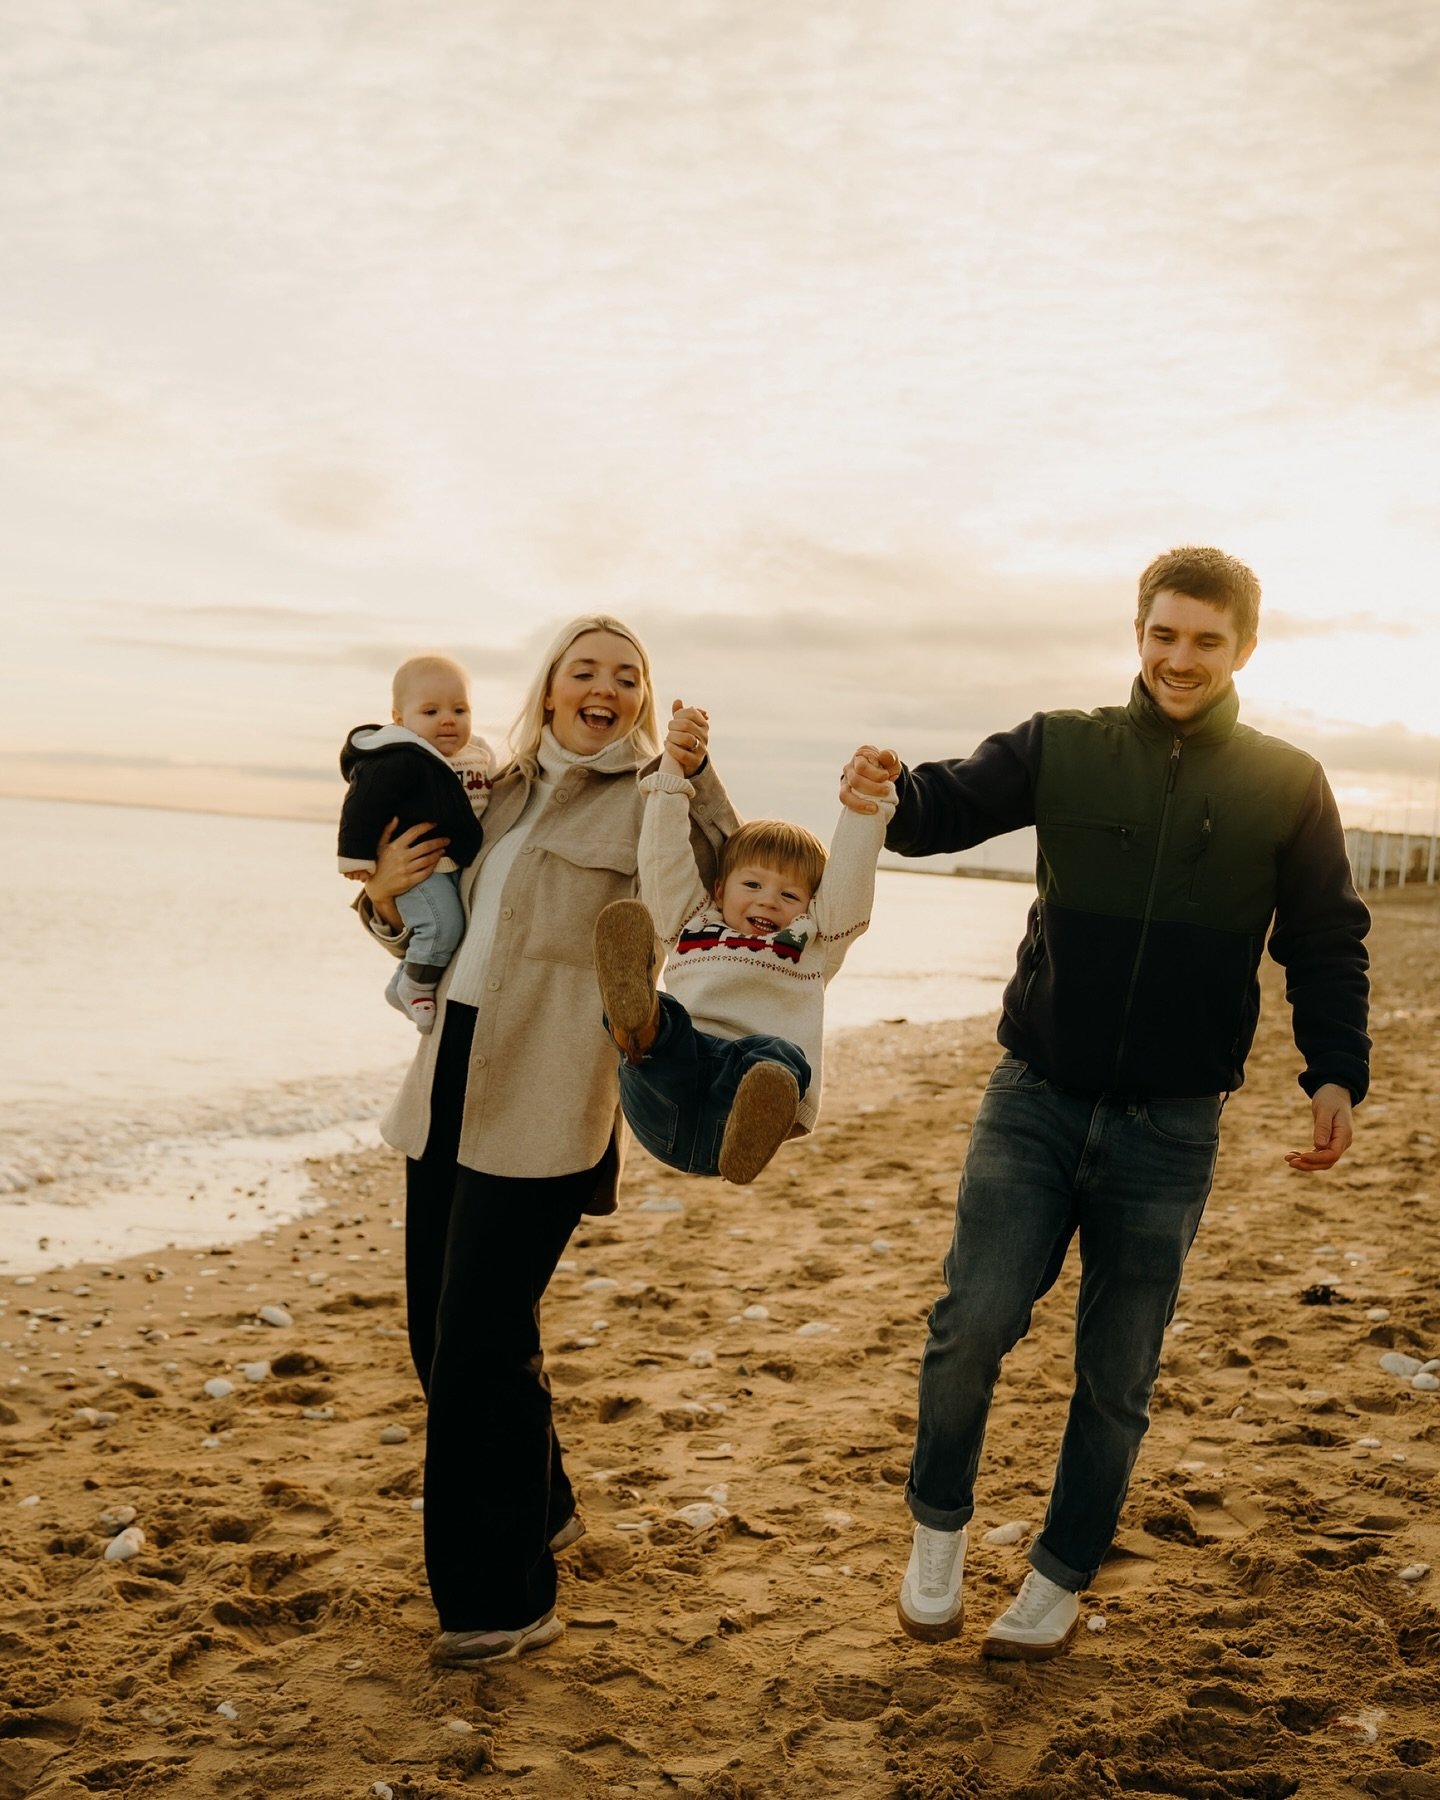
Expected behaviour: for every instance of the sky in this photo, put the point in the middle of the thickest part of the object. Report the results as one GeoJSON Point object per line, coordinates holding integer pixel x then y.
{"type": "Point", "coordinates": [859, 354]}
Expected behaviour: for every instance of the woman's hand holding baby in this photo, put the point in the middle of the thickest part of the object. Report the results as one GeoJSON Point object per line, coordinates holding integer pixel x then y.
{"type": "Point", "coordinates": [402, 861]}
{"type": "Point", "coordinates": [687, 739]}
{"type": "Point", "coordinates": [868, 777]}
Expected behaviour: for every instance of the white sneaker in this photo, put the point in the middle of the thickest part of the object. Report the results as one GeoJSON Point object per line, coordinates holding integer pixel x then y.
{"type": "Point", "coordinates": [463, 1649]}
{"type": "Point", "coordinates": [1039, 1622]}
{"type": "Point", "coordinates": [930, 1605]}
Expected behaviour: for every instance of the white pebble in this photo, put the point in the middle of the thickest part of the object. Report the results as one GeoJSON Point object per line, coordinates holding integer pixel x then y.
{"type": "Point", "coordinates": [1097, 1622]}
{"type": "Point", "coordinates": [813, 1328]}
{"type": "Point", "coordinates": [880, 1246]}
{"type": "Point", "coordinates": [395, 1434]}
{"type": "Point", "coordinates": [834, 1516]}
{"type": "Point", "coordinates": [417, 1506]}
{"type": "Point", "coordinates": [599, 1324]}
{"type": "Point", "coordinates": [94, 1418]}
{"type": "Point", "coordinates": [382, 1790]}
{"type": "Point", "coordinates": [702, 1359]}
{"type": "Point", "coordinates": [256, 1371]}
{"type": "Point", "coordinates": [317, 1412]}
{"type": "Point", "coordinates": [126, 1544]}
{"type": "Point", "coordinates": [1367, 1443]}
{"type": "Point", "coordinates": [1415, 1572]}
{"type": "Point", "coordinates": [719, 1493]}
{"type": "Point", "coordinates": [462, 1726]}
{"type": "Point", "coordinates": [700, 1515]}
{"type": "Point", "coordinates": [227, 1710]}
{"type": "Point", "coordinates": [1395, 1362]}
{"type": "Point", "coordinates": [218, 1388]}
{"type": "Point", "coordinates": [274, 1315]}
{"type": "Point", "coordinates": [30, 1500]}
{"type": "Point", "coordinates": [1432, 1367]}
{"type": "Point", "coordinates": [756, 1313]}
{"type": "Point", "coordinates": [1378, 1314]}
{"type": "Point", "coordinates": [116, 1518]}
{"type": "Point", "coordinates": [599, 1284]}
{"type": "Point", "coordinates": [1007, 1534]}
{"type": "Point", "coordinates": [1427, 1384]}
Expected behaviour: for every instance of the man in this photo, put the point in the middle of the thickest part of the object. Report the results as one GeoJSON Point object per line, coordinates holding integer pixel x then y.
{"type": "Point", "coordinates": [1171, 838]}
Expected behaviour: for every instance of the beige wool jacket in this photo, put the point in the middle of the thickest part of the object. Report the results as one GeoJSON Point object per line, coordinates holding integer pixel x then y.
{"type": "Point", "coordinates": [542, 1096]}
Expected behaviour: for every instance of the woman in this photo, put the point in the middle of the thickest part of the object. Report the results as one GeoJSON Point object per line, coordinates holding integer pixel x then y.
{"type": "Point", "coordinates": [509, 1118]}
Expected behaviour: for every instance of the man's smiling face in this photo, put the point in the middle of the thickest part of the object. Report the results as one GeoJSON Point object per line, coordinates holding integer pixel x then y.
{"type": "Point", "coordinates": [1189, 651]}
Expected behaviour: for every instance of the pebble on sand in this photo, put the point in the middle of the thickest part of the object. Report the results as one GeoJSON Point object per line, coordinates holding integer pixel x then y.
{"type": "Point", "coordinates": [228, 1710]}
{"type": "Point", "coordinates": [1010, 1533]}
{"type": "Point", "coordinates": [1415, 1572]}
{"type": "Point", "coordinates": [256, 1371]}
{"type": "Point", "coordinates": [813, 1328]}
{"type": "Point", "coordinates": [462, 1726]}
{"type": "Point", "coordinates": [1427, 1384]}
{"type": "Point", "coordinates": [274, 1315]}
{"type": "Point", "coordinates": [218, 1388]}
{"type": "Point", "coordinates": [125, 1544]}
{"type": "Point", "coordinates": [1377, 1315]}
{"type": "Point", "coordinates": [1396, 1362]}
{"type": "Point", "coordinates": [395, 1434]}
{"type": "Point", "coordinates": [116, 1518]}
{"type": "Point", "coordinates": [382, 1790]}
{"type": "Point", "coordinates": [700, 1515]}
{"type": "Point", "coordinates": [757, 1314]}
{"type": "Point", "coordinates": [1097, 1622]}
{"type": "Point", "coordinates": [94, 1417]}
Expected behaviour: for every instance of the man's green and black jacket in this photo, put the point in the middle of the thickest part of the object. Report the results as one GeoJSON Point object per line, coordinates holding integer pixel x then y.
{"type": "Point", "coordinates": [1163, 863]}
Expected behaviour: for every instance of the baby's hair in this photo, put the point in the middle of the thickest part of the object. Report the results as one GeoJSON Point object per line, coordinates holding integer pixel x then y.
{"type": "Point", "coordinates": [775, 844]}
{"type": "Point", "coordinates": [416, 668]}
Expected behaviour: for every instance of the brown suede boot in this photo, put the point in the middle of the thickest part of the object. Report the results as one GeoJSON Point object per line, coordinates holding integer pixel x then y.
{"type": "Point", "coordinates": [766, 1102]}
{"type": "Point", "coordinates": [625, 969]}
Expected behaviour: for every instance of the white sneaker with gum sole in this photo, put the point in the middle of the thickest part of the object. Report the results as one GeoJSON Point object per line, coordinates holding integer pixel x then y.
{"type": "Point", "coordinates": [931, 1607]}
{"type": "Point", "coordinates": [1039, 1622]}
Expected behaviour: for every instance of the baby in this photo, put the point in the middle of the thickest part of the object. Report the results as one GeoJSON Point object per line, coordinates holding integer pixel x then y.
{"type": "Point", "coordinates": [725, 1065]}
{"type": "Point", "coordinates": [407, 771]}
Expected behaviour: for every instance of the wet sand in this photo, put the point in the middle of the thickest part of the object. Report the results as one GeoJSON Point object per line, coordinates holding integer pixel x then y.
{"type": "Point", "coordinates": [269, 1637]}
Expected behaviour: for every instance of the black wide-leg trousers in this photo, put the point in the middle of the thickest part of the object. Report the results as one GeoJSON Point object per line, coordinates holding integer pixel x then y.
{"type": "Point", "coordinates": [479, 1253]}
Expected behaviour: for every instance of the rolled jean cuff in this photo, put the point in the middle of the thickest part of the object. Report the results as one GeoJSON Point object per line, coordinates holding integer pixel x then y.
{"type": "Point", "coordinates": [1051, 1567]}
{"type": "Point", "coordinates": [934, 1516]}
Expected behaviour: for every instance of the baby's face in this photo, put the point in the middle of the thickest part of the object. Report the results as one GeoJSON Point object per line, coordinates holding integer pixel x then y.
{"type": "Point", "coordinates": [437, 708]}
{"type": "Point", "coordinates": [761, 901]}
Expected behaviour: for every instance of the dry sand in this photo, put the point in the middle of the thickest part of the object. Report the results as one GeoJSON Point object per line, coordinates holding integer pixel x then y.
{"type": "Point", "coordinates": [270, 1637]}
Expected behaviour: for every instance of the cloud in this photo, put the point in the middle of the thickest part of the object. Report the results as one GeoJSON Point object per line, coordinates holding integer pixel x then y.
{"type": "Point", "coordinates": [1281, 626]}
{"type": "Point", "coordinates": [1388, 750]}
{"type": "Point", "coordinates": [74, 761]}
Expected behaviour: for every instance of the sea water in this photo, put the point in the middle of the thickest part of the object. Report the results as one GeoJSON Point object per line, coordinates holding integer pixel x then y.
{"type": "Point", "coordinates": [189, 1010]}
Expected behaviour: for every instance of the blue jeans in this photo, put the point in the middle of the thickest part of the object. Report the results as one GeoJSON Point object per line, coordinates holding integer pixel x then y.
{"type": "Point", "coordinates": [436, 921]}
{"type": "Point", "coordinates": [1132, 1177]}
{"type": "Point", "coordinates": [677, 1101]}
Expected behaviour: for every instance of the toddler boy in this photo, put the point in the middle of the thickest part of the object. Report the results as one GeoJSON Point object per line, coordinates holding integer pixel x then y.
{"type": "Point", "coordinates": [407, 771]}
{"type": "Point", "coordinates": [725, 1065]}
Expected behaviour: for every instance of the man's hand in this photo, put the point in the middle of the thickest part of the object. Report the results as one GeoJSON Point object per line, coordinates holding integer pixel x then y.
{"type": "Point", "coordinates": [867, 777]}
{"type": "Point", "coordinates": [687, 739]}
{"type": "Point", "coordinates": [1334, 1129]}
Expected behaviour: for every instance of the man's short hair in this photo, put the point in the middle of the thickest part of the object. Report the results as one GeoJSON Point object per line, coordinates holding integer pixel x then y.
{"type": "Point", "coordinates": [774, 844]}
{"type": "Point", "coordinates": [1202, 573]}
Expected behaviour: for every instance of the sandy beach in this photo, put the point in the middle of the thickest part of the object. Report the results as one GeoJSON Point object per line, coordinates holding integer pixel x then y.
{"type": "Point", "coordinates": [734, 1373]}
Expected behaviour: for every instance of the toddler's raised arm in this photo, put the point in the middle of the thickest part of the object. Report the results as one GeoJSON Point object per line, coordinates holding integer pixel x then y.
{"type": "Point", "coordinates": [847, 889]}
{"type": "Point", "coordinates": [670, 883]}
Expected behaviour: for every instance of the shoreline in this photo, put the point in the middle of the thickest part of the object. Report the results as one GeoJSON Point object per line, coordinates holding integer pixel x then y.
{"type": "Point", "coordinates": [734, 1379]}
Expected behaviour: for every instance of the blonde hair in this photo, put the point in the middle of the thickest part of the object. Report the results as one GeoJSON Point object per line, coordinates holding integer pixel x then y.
{"type": "Point", "coordinates": [531, 719]}
{"type": "Point", "coordinates": [415, 668]}
{"type": "Point", "coordinates": [774, 844]}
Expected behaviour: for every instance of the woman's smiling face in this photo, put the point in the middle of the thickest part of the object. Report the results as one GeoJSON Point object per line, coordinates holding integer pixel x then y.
{"type": "Point", "coordinates": [595, 693]}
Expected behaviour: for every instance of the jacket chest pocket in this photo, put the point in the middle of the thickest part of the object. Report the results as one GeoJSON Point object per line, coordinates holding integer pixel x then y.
{"type": "Point", "coordinates": [1095, 862]}
{"type": "Point", "coordinates": [572, 885]}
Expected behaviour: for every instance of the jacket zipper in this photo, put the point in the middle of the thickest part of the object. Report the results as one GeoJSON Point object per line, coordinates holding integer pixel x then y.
{"type": "Point", "coordinates": [1171, 771]}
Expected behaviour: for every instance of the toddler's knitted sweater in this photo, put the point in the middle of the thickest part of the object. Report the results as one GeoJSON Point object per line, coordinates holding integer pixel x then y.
{"type": "Point", "coordinates": [734, 983]}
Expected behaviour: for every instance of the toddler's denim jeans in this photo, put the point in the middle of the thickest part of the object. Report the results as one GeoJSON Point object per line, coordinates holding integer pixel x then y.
{"type": "Point", "coordinates": [1131, 1177]}
{"type": "Point", "coordinates": [437, 923]}
{"type": "Point", "coordinates": [677, 1101]}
